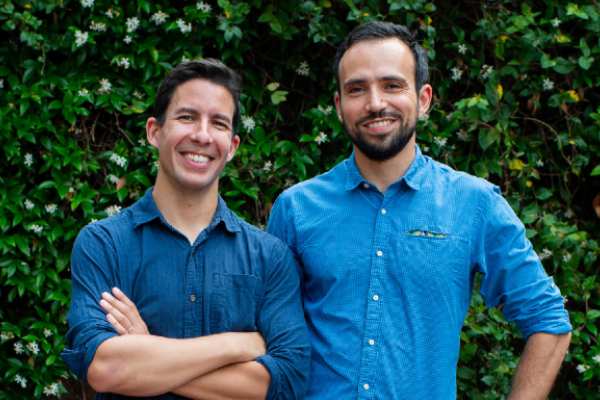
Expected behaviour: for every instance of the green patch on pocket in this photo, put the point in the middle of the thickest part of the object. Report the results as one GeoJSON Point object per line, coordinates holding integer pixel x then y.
{"type": "Point", "coordinates": [419, 232]}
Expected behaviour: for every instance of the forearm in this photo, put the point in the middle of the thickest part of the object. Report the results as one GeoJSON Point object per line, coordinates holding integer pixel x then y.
{"type": "Point", "coordinates": [539, 365]}
{"type": "Point", "coordinates": [248, 381]}
{"type": "Point", "coordinates": [144, 365]}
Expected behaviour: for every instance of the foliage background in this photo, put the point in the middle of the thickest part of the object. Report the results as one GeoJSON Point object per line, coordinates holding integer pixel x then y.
{"type": "Point", "coordinates": [516, 86]}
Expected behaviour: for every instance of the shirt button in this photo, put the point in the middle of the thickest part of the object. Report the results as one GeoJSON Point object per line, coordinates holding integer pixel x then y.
{"type": "Point", "coordinates": [379, 253]}
{"type": "Point", "coordinates": [375, 297]}
{"type": "Point", "coordinates": [192, 298]}
{"type": "Point", "coordinates": [366, 185]}
{"type": "Point", "coordinates": [371, 342]}
{"type": "Point", "coordinates": [366, 386]}
{"type": "Point", "coordinates": [383, 211]}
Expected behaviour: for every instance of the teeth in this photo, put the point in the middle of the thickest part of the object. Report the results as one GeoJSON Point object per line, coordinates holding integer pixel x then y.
{"type": "Point", "coordinates": [198, 158]}
{"type": "Point", "coordinates": [379, 124]}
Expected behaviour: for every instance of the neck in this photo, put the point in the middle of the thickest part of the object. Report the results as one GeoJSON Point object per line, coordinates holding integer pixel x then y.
{"type": "Point", "coordinates": [188, 211]}
{"type": "Point", "coordinates": [383, 173]}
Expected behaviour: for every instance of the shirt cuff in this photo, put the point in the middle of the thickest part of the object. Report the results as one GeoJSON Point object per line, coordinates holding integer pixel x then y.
{"type": "Point", "coordinates": [271, 365]}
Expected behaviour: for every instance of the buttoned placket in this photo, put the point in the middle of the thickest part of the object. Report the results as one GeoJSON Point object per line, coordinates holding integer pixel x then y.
{"type": "Point", "coordinates": [193, 298]}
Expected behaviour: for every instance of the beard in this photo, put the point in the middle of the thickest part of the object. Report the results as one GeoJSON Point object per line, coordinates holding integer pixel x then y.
{"type": "Point", "coordinates": [397, 141]}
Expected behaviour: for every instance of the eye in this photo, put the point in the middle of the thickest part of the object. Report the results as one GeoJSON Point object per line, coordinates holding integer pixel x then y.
{"type": "Point", "coordinates": [393, 86]}
{"type": "Point", "coordinates": [185, 117]}
{"type": "Point", "coordinates": [221, 125]}
{"type": "Point", "coordinates": [354, 90]}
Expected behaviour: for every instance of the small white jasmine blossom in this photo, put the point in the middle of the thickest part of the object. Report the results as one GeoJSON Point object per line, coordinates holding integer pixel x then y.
{"type": "Point", "coordinates": [204, 7]}
{"type": "Point", "coordinates": [555, 22]}
{"type": "Point", "coordinates": [325, 110]}
{"type": "Point", "coordinates": [567, 257]}
{"type": "Point", "coordinates": [109, 13]}
{"type": "Point", "coordinates": [87, 3]}
{"type": "Point", "coordinates": [3, 336]}
{"type": "Point", "coordinates": [112, 210]}
{"type": "Point", "coordinates": [158, 18]}
{"type": "Point", "coordinates": [545, 254]}
{"type": "Point", "coordinates": [21, 381]}
{"type": "Point", "coordinates": [456, 73]}
{"type": "Point", "coordinates": [321, 138]}
{"type": "Point", "coordinates": [142, 141]}
{"type": "Point", "coordinates": [137, 94]}
{"type": "Point", "coordinates": [122, 62]}
{"type": "Point", "coordinates": [33, 348]}
{"type": "Point", "coordinates": [539, 163]}
{"type": "Point", "coordinates": [463, 135]}
{"type": "Point", "coordinates": [98, 26]}
{"type": "Point", "coordinates": [596, 358]}
{"type": "Point", "coordinates": [268, 166]}
{"type": "Point", "coordinates": [486, 71]}
{"type": "Point", "coordinates": [28, 204]}
{"type": "Point", "coordinates": [547, 84]}
{"type": "Point", "coordinates": [569, 213]}
{"type": "Point", "coordinates": [80, 38]}
{"type": "Point", "coordinates": [462, 48]}
{"type": "Point", "coordinates": [183, 26]}
{"type": "Point", "coordinates": [303, 69]}
{"type": "Point", "coordinates": [28, 160]}
{"type": "Point", "coordinates": [425, 149]}
{"type": "Point", "coordinates": [184, 59]}
{"type": "Point", "coordinates": [93, 220]}
{"type": "Point", "coordinates": [47, 333]}
{"type": "Point", "coordinates": [52, 390]}
{"type": "Point", "coordinates": [440, 141]}
{"type": "Point", "coordinates": [581, 368]}
{"type": "Point", "coordinates": [36, 228]}
{"type": "Point", "coordinates": [288, 182]}
{"type": "Point", "coordinates": [105, 86]}
{"type": "Point", "coordinates": [117, 159]}
{"type": "Point", "coordinates": [132, 24]}
{"type": "Point", "coordinates": [113, 179]}
{"type": "Point", "coordinates": [18, 346]}
{"type": "Point", "coordinates": [248, 123]}
{"type": "Point", "coordinates": [83, 92]}
{"type": "Point", "coordinates": [50, 208]}
{"type": "Point", "coordinates": [127, 39]}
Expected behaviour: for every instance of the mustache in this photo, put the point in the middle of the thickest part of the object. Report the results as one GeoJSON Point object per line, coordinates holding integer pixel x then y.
{"type": "Point", "coordinates": [379, 114]}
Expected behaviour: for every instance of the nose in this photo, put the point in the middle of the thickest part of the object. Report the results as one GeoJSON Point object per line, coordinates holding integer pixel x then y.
{"type": "Point", "coordinates": [376, 101]}
{"type": "Point", "coordinates": [201, 132]}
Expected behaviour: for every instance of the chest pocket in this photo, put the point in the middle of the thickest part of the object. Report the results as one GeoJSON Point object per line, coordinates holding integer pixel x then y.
{"type": "Point", "coordinates": [233, 302]}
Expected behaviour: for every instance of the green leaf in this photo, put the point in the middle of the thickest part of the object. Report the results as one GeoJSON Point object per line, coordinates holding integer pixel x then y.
{"type": "Point", "coordinates": [487, 137]}
{"type": "Point", "coordinates": [596, 171]}
{"type": "Point", "coordinates": [278, 96]}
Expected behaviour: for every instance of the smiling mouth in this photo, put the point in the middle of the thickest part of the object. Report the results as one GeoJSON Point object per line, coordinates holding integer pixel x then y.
{"type": "Point", "coordinates": [197, 158]}
{"type": "Point", "coordinates": [379, 123]}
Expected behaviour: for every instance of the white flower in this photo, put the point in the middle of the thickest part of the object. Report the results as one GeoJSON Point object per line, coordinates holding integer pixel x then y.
{"type": "Point", "coordinates": [80, 38]}
{"type": "Point", "coordinates": [87, 3]}
{"type": "Point", "coordinates": [268, 166]}
{"type": "Point", "coordinates": [122, 62]}
{"type": "Point", "coordinates": [545, 254]}
{"type": "Point", "coordinates": [288, 182]}
{"type": "Point", "coordinates": [184, 59]}
{"type": "Point", "coordinates": [463, 135]}
{"type": "Point", "coordinates": [569, 213]}
{"type": "Point", "coordinates": [18, 346]}
{"type": "Point", "coordinates": [117, 159]}
{"type": "Point", "coordinates": [486, 71]}
{"type": "Point", "coordinates": [109, 13]}
{"type": "Point", "coordinates": [159, 18]}
{"type": "Point", "coordinates": [127, 39]}
{"type": "Point", "coordinates": [98, 26]}
{"type": "Point", "coordinates": [303, 69]}
{"type": "Point", "coordinates": [93, 220]}
{"type": "Point", "coordinates": [105, 86]}
{"type": "Point", "coordinates": [3, 336]}
{"type": "Point", "coordinates": [137, 94]}
{"type": "Point", "coordinates": [113, 179]}
{"type": "Point", "coordinates": [132, 24]}
{"type": "Point", "coordinates": [183, 27]}
{"type": "Point", "coordinates": [325, 110]}
{"type": "Point", "coordinates": [142, 141]}
{"type": "Point", "coordinates": [28, 160]}
{"type": "Point", "coordinates": [47, 333]}
{"type": "Point", "coordinates": [50, 208]}
{"type": "Point", "coordinates": [567, 257]}
{"type": "Point", "coordinates": [456, 73]}
{"type": "Point", "coordinates": [83, 92]}
{"type": "Point", "coordinates": [21, 381]}
{"type": "Point", "coordinates": [36, 228]}
{"type": "Point", "coordinates": [547, 84]}
{"type": "Point", "coordinates": [248, 123]}
{"type": "Point", "coordinates": [441, 142]}
{"type": "Point", "coordinates": [52, 390]}
{"type": "Point", "coordinates": [555, 22]}
{"type": "Point", "coordinates": [596, 358]}
{"type": "Point", "coordinates": [462, 48]}
{"type": "Point", "coordinates": [202, 6]}
{"type": "Point", "coordinates": [33, 347]}
{"type": "Point", "coordinates": [321, 138]}
{"type": "Point", "coordinates": [28, 204]}
{"type": "Point", "coordinates": [582, 368]}
{"type": "Point", "coordinates": [112, 210]}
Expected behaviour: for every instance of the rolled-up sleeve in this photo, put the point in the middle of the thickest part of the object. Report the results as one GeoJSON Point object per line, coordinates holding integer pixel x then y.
{"type": "Point", "coordinates": [513, 276]}
{"type": "Point", "coordinates": [92, 271]}
{"type": "Point", "coordinates": [282, 324]}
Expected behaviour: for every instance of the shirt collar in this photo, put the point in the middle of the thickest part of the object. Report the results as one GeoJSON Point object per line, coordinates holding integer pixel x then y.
{"type": "Point", "coordinates": [413, 176]}
{"type": "Point", "coordinates": [146, 210]}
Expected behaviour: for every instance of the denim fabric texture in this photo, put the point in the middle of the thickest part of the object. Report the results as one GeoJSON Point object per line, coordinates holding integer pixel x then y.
{"type": "Point", "coordinates": [234, 277]}
{"type": "Point", "coordinates": [387, 277]}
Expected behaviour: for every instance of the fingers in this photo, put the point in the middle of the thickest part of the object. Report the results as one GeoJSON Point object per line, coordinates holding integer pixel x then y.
{"type": "Point", "coordinates": [118, 327]}
{"type": "Point", "coordinates": [117, 319]}
{"type": "Point", "coordinates": [122, 297]}
{"type": "Point", "coordinates": [122, 310]}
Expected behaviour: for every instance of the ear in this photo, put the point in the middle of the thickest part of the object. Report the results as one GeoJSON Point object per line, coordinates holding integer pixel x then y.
{"type": "Point", "coordinates": [425, 96]}
{"type": "Point", "coordinates": [338, 107]}
{"type": "Point", "coordinates": [233, 146]}
{"type": "Point", "coordinates": [152, 131]}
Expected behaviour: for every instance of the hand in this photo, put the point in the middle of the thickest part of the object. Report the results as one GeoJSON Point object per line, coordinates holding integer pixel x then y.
{"type": "Point", "coordinates": [122, 313]}
{"type": "Point", "coordinates": [250, 345]}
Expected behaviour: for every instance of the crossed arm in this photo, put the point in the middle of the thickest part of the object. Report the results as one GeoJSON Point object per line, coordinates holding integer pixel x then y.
{"type": "Point", "coordinates": [210, 367]}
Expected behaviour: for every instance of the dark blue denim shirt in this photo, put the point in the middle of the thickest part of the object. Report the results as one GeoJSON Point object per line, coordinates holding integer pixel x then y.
{"type": "Point", "coordinates": [234, 277]}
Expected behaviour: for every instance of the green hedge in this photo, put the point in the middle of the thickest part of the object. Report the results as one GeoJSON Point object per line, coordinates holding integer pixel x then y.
{"type": "Point", "coordinates": [516, 102]}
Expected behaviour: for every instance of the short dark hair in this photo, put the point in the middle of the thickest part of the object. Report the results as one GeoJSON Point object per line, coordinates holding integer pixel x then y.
{"type": "Point", "coordinates": [210, 69]}
{"type": "Point", "coordinates": [383, 30]}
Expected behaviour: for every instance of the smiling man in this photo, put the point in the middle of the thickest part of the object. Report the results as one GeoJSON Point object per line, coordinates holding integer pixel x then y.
{"type": "Point", "coordinates": [390, 240]}
{"type": "Point", "coordinates": [176, 296]}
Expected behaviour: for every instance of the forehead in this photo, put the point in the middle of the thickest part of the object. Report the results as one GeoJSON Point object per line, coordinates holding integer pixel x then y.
{"type": "Point", "coordinates": [203, 96]}
{"type": "Point", "coordinates": [376, 58]}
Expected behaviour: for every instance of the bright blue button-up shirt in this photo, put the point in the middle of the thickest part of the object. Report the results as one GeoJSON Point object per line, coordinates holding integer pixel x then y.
{"type": "Point", "coordinates": [234, 277]}
{"type": "Point", "coordinates": [387, 277]}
